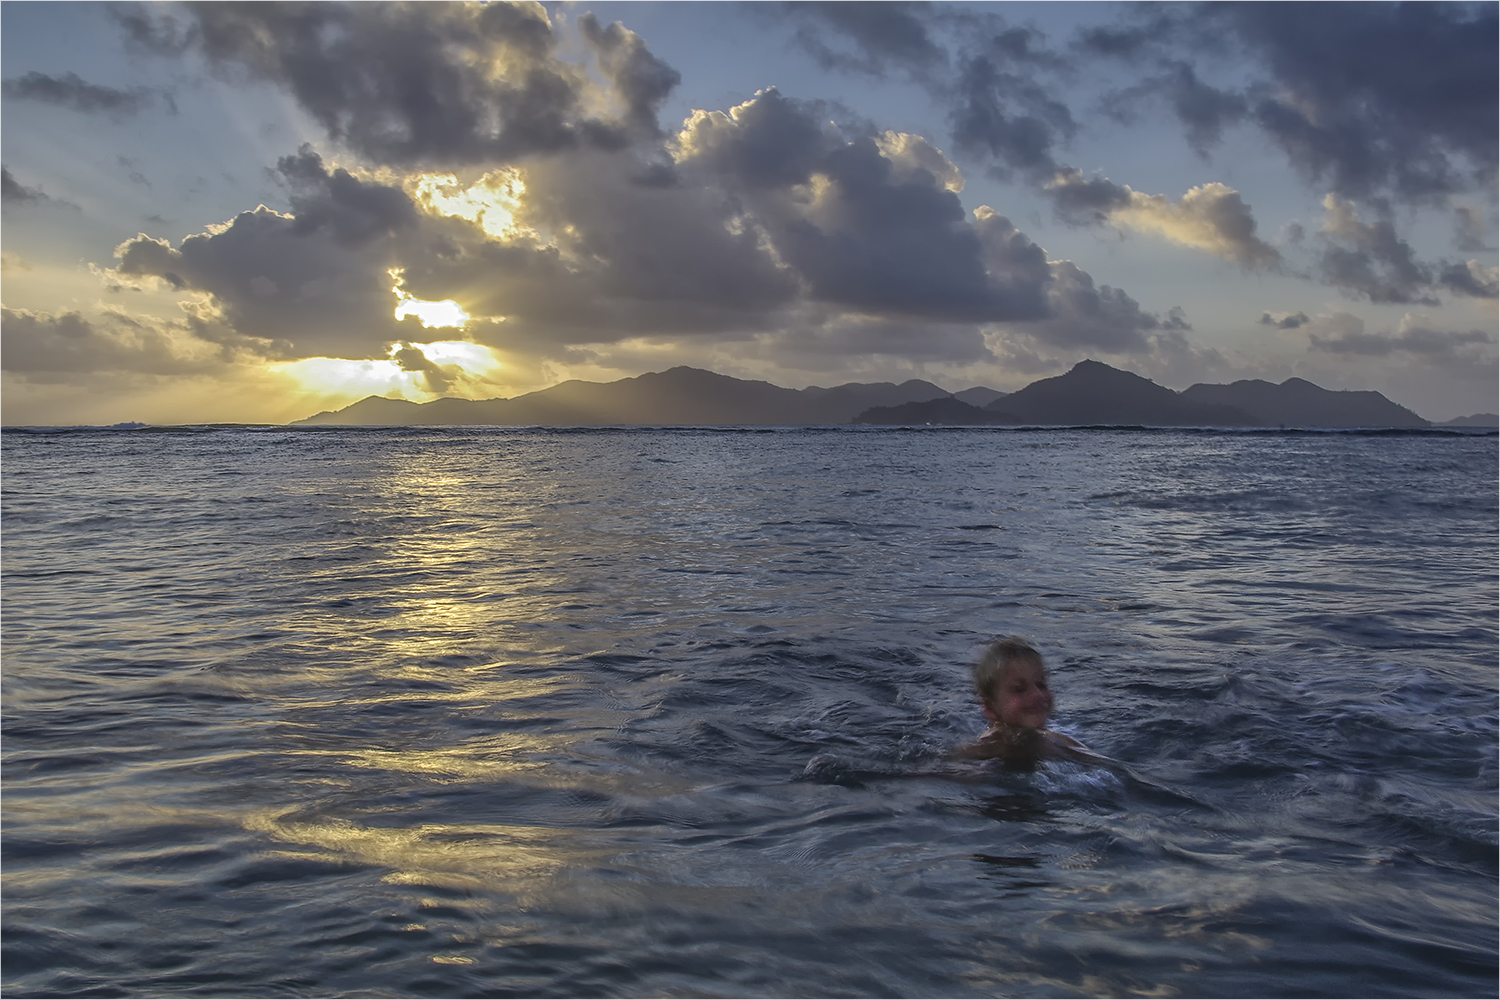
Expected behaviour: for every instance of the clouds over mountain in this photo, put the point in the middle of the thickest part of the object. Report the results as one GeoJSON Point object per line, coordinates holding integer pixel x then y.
{"type": "Point", "coordinates": [504, 174]}
{"type": "Point", "coordinates": [766, 222]}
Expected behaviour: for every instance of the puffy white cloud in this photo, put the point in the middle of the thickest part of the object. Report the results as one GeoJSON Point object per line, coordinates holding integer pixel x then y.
{"type": "Point", "coordinates": [1210, 217]}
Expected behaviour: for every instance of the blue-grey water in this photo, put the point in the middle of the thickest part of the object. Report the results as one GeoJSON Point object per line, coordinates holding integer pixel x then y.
{"type": "Point", "coordinates": [517, 712]}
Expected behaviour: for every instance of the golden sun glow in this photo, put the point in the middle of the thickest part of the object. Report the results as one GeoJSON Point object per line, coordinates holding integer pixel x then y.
{"type": "Point", "coordinates": [470, 370]}
{"type": "Point", "coordinates": [431, 315]}
{"type": "Point", "coordinates": [491, 201]}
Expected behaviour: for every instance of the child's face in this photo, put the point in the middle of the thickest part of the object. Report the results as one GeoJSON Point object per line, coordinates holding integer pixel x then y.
{"type": "Point", "coordinates": [1023, 698]}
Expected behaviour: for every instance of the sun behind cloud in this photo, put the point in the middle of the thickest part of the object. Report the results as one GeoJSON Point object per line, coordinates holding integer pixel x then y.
{"type": "Point", "coordinates": [418, 372]}
{"type": "Point", "coordinates": [432, 315]}
{"type": "Point", "coordinates": [492, 201]}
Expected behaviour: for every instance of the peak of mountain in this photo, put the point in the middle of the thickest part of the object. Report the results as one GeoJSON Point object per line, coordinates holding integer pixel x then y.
{"type": "Point", "coordinates": [375, 411]}
{"type": "Point", "coordinates": [1092, 392]}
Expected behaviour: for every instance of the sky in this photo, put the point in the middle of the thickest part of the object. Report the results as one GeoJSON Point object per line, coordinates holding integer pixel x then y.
{"type": "Point", "coordinates": [256, 212]}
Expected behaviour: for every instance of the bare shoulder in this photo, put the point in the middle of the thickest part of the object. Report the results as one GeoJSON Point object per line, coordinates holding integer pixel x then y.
{"type": "Point", "coordinates": [1063, 740]}
{"type": "Point", "coordinates": [984, 748]}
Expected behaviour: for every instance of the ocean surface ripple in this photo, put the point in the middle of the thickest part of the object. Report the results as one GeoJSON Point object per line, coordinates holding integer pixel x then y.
{"type": "Point", "coordinates": [527, 712]}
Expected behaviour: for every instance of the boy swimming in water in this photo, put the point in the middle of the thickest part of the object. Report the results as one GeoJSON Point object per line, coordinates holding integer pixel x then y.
{"type": "Point", "coordinates": [1011, 682]}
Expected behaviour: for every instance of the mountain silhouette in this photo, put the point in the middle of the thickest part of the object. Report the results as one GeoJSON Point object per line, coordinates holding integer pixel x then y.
{"type": "Point", "coordinates": [681, 396]}
{"type": "Point", "coordinates": [1474, 420]}
{"type": "Point", "coordinates": [1298, 403]}
{"type": "Point", "coordinates": [1091, 393]}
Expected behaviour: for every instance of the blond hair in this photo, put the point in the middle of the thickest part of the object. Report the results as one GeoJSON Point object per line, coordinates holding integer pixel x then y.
{"type": "Point", "coordinates": [997, 661]}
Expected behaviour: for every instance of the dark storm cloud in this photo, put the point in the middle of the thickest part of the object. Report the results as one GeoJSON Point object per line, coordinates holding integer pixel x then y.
{"type": "Point", "coordinates": [1397, 97]}
{"type": "Point", "coordinates": [302, 285]}
{"type": "Point", "coordinates": [778, 222]}
{"type": "Point", "coordinates": [421, 83]}
{"type": "Point", "coordinates": [993, 81]}
{"type": "Point", "coordinates": [627, 260]}
{"type": "Point", "coordinates": [1288, 321]}
{"type": "Point", "coordinates": [1372, 99]}
{"type": "Point", "coordinates": [352, 211]}
{"type": "Point", "coordinates": [72, 91]}
{"type": "Point", "coordinates": [1005, 117]}
{"type": "Point", "coordinates": [860, 233]}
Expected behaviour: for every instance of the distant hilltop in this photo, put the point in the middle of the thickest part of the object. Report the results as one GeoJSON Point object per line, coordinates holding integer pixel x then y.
{"type": "Point", "coordinates": [1090, 394]}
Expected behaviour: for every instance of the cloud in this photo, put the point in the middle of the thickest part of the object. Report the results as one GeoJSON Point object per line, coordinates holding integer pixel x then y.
{"type": "Point", "coordinates": [990, 75]}
{"type": "Point", "coordinates": [408, 84]}
{"type": "Point", "coordinates": [828, 340]}
{"type": "Point", "coordinates": [767, 224]}
{"type": "Point", "coordinates": [1344, 334]}
{"type": "Point", "coordinates": [1471, 232]}
{"type": "Point", "coordinates": [1084, 316]}
{"type": "Point", "coordinates": [882, 36]}
{"type": "Point", "coordinates": [1210, 217]}
{"type": "Point", "coordinates": [313, 282]}
{"type": "Point", "coordinates": [437, 378]}
{"type": "Point", "coordinates": [1473, 279]}
{"type": "Point", "coordinates": [1369, 259]}
{"type": "Point", "coordinates": [10, 262]}
{"type": "Point", "coordinates": [14, 194]}
{"type": "Point", "coordinates": [1204, 111]}
{"type": "Point", "coordinates": [46, 347]}
{"type": "Point", "coordinates": [1285, 321]}
{"type": "Point", "coordinates": [1372, 99]}
{"type": "Point", "coordinates": [860, 230]}
{"type": "Point", "coordinates": [1379, 97]}
{"type": "Point", "coordinates": [639, 77]}
{"type": "Point", "coordinates": [72, 92]}
{"type": "Point", "coordinates": [910, 154]}
{"type": "Point", "coordinates": [1007, 118]}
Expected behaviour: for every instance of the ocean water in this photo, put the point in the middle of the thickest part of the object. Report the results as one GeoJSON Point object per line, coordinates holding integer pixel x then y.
{"type": "Point", "coordinates": [516, 712]}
